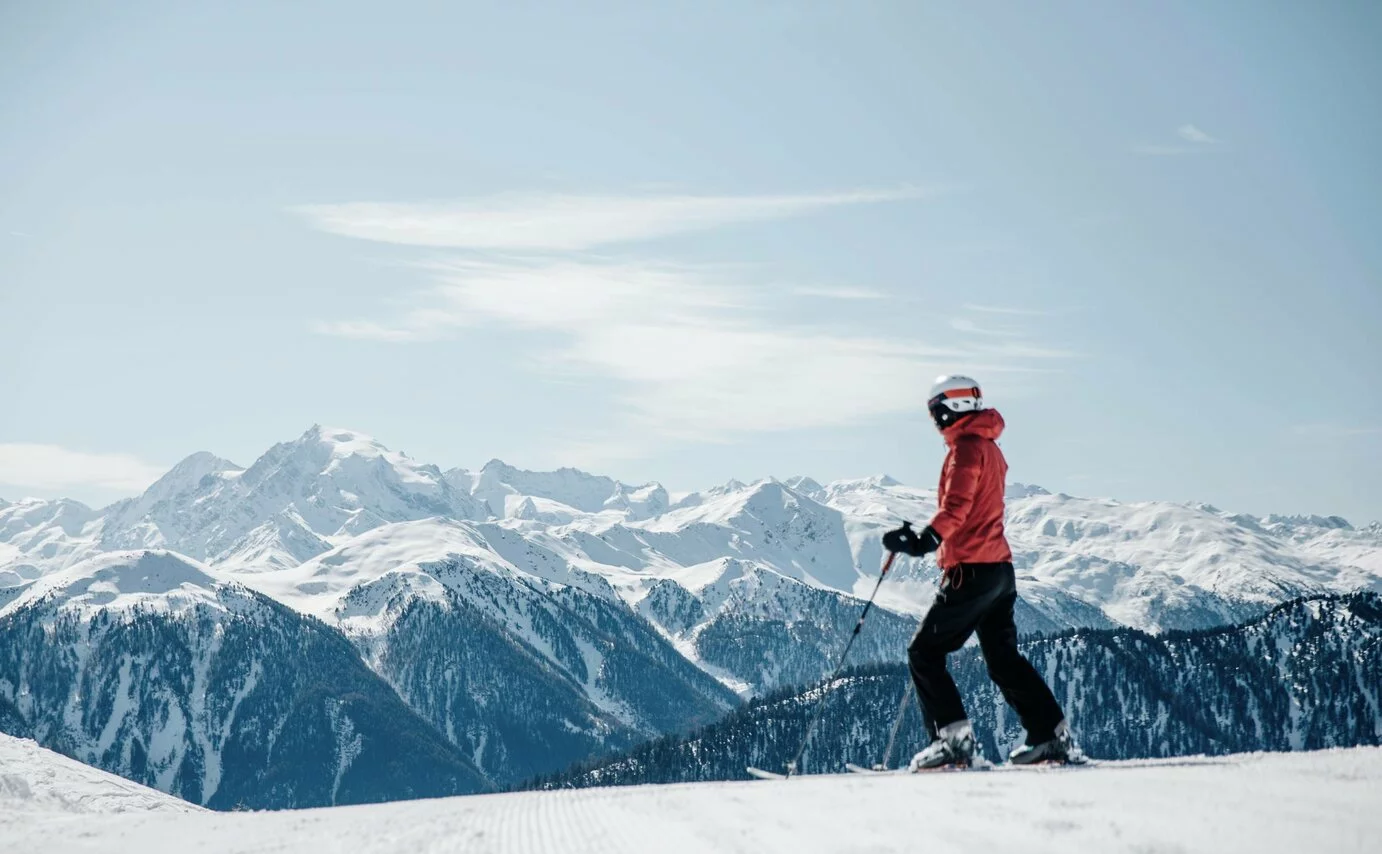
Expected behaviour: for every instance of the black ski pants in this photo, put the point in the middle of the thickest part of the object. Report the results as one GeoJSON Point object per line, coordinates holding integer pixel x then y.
{"type": "Point", "coordinates": [979, 597]}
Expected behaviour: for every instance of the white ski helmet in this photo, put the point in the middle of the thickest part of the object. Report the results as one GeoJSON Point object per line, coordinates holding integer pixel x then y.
{"type": "Point", "coordinates": [951, 396]}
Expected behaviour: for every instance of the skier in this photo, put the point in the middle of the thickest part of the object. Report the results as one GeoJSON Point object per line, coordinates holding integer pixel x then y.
{"type": "Point", "coordinates": [977, 591]}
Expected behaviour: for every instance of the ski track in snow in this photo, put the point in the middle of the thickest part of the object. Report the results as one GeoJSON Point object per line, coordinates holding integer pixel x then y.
{"type": "Point", "coordinates": [1304, 802]}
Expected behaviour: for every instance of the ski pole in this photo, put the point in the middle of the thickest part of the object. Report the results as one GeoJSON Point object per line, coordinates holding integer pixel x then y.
{"type": "Point", "coordinates": [820, 703]}
{"type": "Point", "coordinates": [908, 694]}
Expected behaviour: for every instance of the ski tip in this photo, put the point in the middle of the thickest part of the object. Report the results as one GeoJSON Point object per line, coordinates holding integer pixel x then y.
{"type": "Point", "coordinates": [760, 774]}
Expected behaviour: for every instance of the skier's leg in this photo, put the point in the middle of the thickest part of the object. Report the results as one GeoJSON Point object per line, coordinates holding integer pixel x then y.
{"type": "Point", "coordinates": [949, 623]}
{"type": "Point", "coordinates": [1021, 684]}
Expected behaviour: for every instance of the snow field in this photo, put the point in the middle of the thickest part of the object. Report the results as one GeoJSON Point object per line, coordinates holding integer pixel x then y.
{"type": "Point", "coordinates": [35, 782]}
{"type": "Point", "coordinates": [1304, 802]}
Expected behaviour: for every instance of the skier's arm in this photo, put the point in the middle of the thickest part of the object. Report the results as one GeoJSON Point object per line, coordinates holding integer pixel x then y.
{"type": "Point", "coordinates": [961, 482]}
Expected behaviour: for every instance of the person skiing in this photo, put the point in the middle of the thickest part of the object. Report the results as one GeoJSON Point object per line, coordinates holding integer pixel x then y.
{"type": "Point", "coordinates": [977, 591]}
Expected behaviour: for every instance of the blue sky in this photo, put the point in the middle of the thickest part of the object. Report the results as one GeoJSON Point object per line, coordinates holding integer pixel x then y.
{"type": "Point", "coordinates": [690, 242]}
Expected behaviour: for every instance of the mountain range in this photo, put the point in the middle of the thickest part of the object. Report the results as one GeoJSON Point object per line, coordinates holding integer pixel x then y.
{"type": "Point", "coordinates": [482, 627]}
{"type": "Point", "coordinates": [1305, 676]}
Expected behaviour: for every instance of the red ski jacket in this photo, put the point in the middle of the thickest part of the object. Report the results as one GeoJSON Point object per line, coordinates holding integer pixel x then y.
{"type": "Point", "coordinates": [969, 517]}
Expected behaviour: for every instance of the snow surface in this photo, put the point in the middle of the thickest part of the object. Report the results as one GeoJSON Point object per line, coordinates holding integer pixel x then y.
{"type": "Point", "coordinates": [152, 579]}
{"type": "Point", "coordinates": [37, 782]}
{"type": "Point", "coordinates": [1251, 803]}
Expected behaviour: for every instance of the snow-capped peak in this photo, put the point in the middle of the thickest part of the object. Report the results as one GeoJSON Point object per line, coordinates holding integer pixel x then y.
{"type": "Point", "coordinates": [1295, 522]}
{"type": "Point", "coordinates": [192, 469]}
{"type": "Point", "coordinates": [288, 505]}
{"type": "Point", "coordinates": [156, 579]}
{"type": "Point", "coordinates": [1024, 490]}
{"type": "Point", "coordinates": [333, 449]}
{"type": "Point", "coordinates": [346, 441]}
{"type": "Point", "coordinates": [26, 514]}
{"type": "Point", "coordinates": [182, 480]}
{"type": "Point", "coordinates": [805, 485]}
{"type": "Point", "coordinates": [1151, 565]}
{"type": "Point", "coordinates": [506, 488]}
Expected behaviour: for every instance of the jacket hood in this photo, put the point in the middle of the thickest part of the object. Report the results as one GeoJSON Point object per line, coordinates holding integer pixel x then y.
{"type": "Point", "coordinates": [986, 424]}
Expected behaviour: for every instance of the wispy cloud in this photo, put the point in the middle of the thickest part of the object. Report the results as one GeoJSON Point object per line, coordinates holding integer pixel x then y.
{"type": "Point", "coordinates": [962, 324]}
{"type": "Point", "coordinates": [20, 234]}
{"type": "Point", "coordinates": [551, 222]}
{"type": "Point", "coordinates": [1013, 310]}
{"type": "Point", "coordinates": [847, 294]}
{"type": "Point", "coordinates": [53, 467]}
{"type": "Point", "coordinates": [1194, 141]}
{"type": "Point", "coordinates": [691, 352]}
{"type": "Point", "coordinates": [1190, 133]}
{"type": "Point", "coordinates": [693, 356]}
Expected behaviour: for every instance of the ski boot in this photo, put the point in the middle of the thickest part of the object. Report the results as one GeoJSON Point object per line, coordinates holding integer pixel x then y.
{"type": "Point", "coordinates": [1058, 750]}
{"type": "Point", "coordinates": [953, 748]}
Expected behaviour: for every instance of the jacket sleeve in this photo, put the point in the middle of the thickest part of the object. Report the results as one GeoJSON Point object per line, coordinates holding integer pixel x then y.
{"type": "Point", "coordinates": [961, 483]}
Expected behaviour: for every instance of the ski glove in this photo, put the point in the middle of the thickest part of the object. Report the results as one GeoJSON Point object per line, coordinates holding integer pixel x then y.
{"type": "Point", "coordinates": [912, 542]}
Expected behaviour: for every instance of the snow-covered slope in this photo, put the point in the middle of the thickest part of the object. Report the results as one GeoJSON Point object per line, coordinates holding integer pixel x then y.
{"type": "Point", "coordinates": [37, 536]}
{"type": "Point", "coordinates": [167, 672]}
{"type": "Point", "coordinates": [767, 522]}
{"type": "Point", "coordinates": [1148, 565]}
{"type": "Point", "coordinates": [35, 779]}
{"type": "Point", "coordinates": [124, 581]}
{"type": "Point", "coordinates": [1253, 804]}
{"type": "Point", "coordinates": [526, 668]}
{"type": "Point", "coordinates": [504, 488]}
{"type": "Point", "coordinates": [294, 502]}
{"type": "Point", "coordinates": [1329, 540]}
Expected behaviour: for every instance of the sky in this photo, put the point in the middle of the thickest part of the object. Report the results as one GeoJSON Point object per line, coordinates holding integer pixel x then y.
{"type": "Point", "coordinates": [692, 242]}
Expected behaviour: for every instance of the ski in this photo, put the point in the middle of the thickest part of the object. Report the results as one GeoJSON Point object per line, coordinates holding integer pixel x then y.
{"type": "Point", "coordinates": [760, 774]}
{"type": "Point", "coordinates": [979, 765]}
{"type": "Point", "coordinates": [860, 769]}
{"type": "Point", "coordinates": [1066, 763]}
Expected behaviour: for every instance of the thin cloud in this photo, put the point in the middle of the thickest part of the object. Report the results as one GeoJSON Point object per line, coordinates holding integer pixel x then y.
{"type": "Point", "coordinates": [419, 324]}
{"type": "Point", "coordinates": [553, 222]}
{"type": "Point", "coordinates": [50, 467]}
{"type": "Point", "coordinates": [368, 330]}
{"type": "Point", "coordinates": [847, 294]}
{"type": "Point", "coordinates": [1013, 310]}
{"type": "Point", "coordinates": [691, 355]}
{"type": "Point", "coordinates": [969, 327]}
{"type": "Point", "coordinates": [1190, 133]}
{"type": "Point", "coordinates": [1009, 350]}
{"type": "Point", "coordinates": [1199, 142]}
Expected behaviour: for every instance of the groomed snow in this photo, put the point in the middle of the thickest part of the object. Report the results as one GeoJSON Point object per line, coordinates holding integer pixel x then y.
{"type": "Point", "coordinates": [1256, 803]}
